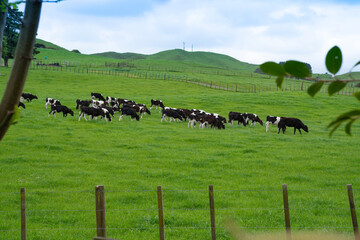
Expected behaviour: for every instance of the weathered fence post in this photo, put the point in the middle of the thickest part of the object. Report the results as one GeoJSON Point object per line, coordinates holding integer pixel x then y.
{"type": "Point", "coordinates": [161, 213]}
{"type": "Point", "coordinates": [236, 87]}
{"type": "Point", "coordinates": [353, 212]}
{"type": "Point", "coordinates": [286, 211]}
{"type": "Point", "coordinates": [212, 212]}
{"type": "Point", "coordinates": [100, 211]}
{"type": "Point", "coordinates": [23, 213]}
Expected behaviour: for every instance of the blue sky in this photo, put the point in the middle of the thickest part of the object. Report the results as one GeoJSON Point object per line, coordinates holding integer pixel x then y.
{"type": "Point", "coordinates": [252, 31]}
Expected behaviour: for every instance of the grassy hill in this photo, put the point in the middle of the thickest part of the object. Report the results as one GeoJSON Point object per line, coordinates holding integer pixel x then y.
{"type": "Point", "coordinates": [199, 59]}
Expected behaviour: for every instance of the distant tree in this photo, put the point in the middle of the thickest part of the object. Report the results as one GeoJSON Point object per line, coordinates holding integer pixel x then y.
{"type": "Point", "coordinates": [333, 62]}
{"type": "Point", "coordinates": [3, 17]}
{"type": "Point", "coordinates": [11, 34]}
{"type": "Point", "coordinates": [75, 51]}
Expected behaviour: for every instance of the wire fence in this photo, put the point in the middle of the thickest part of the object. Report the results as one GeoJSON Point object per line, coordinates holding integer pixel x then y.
{"type": "Point", "coordinates": [175, 211]}
{"type": "Point", "coordinates": [153, 73]}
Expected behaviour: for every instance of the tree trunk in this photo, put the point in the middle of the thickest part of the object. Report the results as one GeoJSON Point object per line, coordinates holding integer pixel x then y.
{"type": "Point", "coordinates": [3, 16]}
{"type": "Point", "coordinates": [21, 64]}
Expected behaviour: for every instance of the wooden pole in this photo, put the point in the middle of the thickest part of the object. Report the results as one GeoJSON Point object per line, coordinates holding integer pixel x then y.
{"type": "Point", "coordinates": [23, 213]}
{"type": "Point", "coordinates": [212, 212]}
{"type": "Point", "coordinates": [100, 211]}
{"type": "Point", "coordinates": [353, 212]}
{"type": "Point", "coordinates": [286, 212]}
{"type": "Point", "coordinates": [161, 213]}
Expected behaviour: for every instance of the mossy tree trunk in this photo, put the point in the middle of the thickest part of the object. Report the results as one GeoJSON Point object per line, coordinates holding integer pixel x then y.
{"type": "Point", "coordinates": [23, 56]}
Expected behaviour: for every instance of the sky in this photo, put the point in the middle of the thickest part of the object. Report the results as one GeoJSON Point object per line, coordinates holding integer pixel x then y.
{"type": "Point", "coordinates": [253, 31]}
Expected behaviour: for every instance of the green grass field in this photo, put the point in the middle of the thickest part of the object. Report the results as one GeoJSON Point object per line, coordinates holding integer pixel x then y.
{"type": "Point", "coordinates": [60, 160]}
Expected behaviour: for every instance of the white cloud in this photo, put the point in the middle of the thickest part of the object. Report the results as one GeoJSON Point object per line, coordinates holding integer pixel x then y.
{"type": "Point", "coordinates": [251, 31]}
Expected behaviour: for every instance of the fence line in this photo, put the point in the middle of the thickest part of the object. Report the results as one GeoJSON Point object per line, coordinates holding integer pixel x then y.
{"type": "Point", "coordinates": [301, 85]}
{"type": "Point", "coordinates": [100, 211]}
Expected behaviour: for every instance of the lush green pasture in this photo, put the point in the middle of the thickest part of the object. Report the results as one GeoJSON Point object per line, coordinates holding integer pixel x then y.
{"type": "Point", "coordinates": [60, 160]}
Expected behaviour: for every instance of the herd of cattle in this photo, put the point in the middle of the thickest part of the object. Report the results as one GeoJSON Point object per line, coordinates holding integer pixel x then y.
{"type": "Point", "coordinates": [105, 108]}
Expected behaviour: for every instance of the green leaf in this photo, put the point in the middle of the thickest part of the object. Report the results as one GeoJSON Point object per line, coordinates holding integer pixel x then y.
{"type": "Point", "coordinates": [279, 81]}
{"type": "Point", "coordinates": [348, 127]}
{"type": "Point", "coordinates": [333, 60]}
{"type": "Point", "coordinates": [336, 87]}
{"type": "Point", "coordinates": [297, 69]}
{"type": "Point", "coordinates": [273, 68]}
{"type": "Point", "coordinates": [357, 95]}
{"type": "Point", "coordinates": [315, 88]}
{"type": "Point", "coordinates": [335, 127]}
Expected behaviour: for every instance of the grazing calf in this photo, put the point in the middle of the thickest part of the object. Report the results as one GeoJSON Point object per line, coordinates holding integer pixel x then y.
{"type": "Point", "coordinates": [128, 111]}
{"type": "Point", "coordinates": [172, 114]}
{"type": "Point", "coordinates": [85, 103]}
{"type": "Point", "coordinates": [272, 120]}
{"type": "Point", "coordinates": [253, 117]}
{"type": "Point", "coordinates": [28, 97]}
{"type": "Point", "coordinates": [60, 108]}
{"type": "Point", "coordinates": [237, 117]}
{"type": "Point", "coordinates": [94, 113]}
{"type": "Point", "coordinates": [98, 96]}
{"type": "Point", "coordinates": [156, 103]}
{"type": "Point", "coordinates": [291, 122]}
{"type": "Point", "coordinates": [51, 101]}
{"type": "Point", "coordinates": [21, 105]}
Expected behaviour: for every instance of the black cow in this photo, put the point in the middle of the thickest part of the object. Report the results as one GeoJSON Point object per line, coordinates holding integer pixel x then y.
{"type": "Point", "coordinates": [292, 122]}
{"type": "Point", "coordinates": [128, 111]}
{"type": "Point", "coordinates": [51, 101]}
{"type": "Point", "coordinates": [237, 117]}
{"type": "Point", "coordinates": [28, 97]}
{"type": "Point", "coordinates": [272, 120]}
{"type": "Point", "coordinates": [98, 96]}
{"type": "Point", "coordinates": [60, 108]}
{"type": "Point", "coordinates": [172, 114]}
{"type": "Point", "coordinates": [85, 103]}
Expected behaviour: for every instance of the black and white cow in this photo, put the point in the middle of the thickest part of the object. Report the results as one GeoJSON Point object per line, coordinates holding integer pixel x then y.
{"type": "Point", "coordinates": [292, 122]}
{"type": "Point", "coordinates": [111, 101]}
{"type": "Point", "coordinates": [129, 111]}
{"type": "Point", "coordinates": [125, 101]}
{"type": "Point", "coordinates": [98, 103]}
{"type": "Point", "coordinates": [93, 113]}
{"type": "Point", "coordinates": [272, 120]}
{"type": "Point", "coordinates": [253, 117]}
{"type": "Point", "coordinates": [28, 97]}
{"type": "Point", "coordinates": [51, 101]}
{"type": "Point", "coordinates": [236, 116]}
{"type": "Point", "coordinates": [157, 104]}
{"type": "Point", "coordinates": [98, 96]}
{"type": "Point", "coordinates": [60, 108]}
{"type": "Point", "coordinates": [85, 103]}
{"type": "Point", "coordinates": [172, 114]}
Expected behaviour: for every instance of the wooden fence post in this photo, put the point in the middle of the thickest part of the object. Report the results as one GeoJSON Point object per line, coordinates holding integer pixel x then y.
{"type": "Point", "coordinates": [23, 213]}
{"type": "Point", "coordinates": [286, 212]}
{"type": "Point", "coordinates": [100, 211]}
{"type": "Point", "coordinates": [212, 212]}
{"type": "Point", "coordinates": [353, 212]}
{"type": "Point", "coordinates": [161, 213]}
